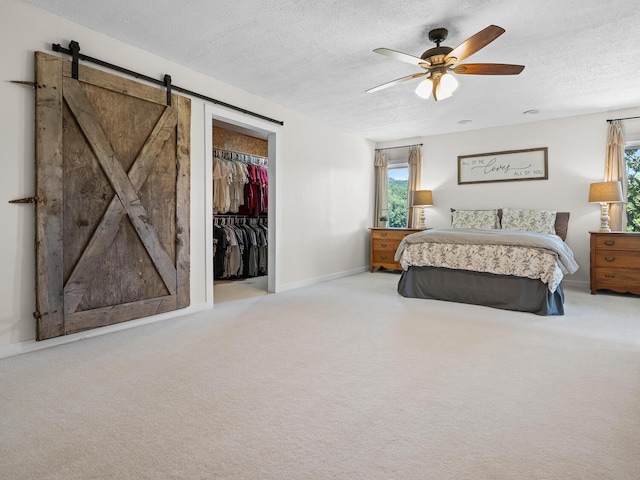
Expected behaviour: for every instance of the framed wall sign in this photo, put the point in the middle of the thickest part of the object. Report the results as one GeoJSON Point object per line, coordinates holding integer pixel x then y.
{"type": "Point", "coordinates": [529, 164]}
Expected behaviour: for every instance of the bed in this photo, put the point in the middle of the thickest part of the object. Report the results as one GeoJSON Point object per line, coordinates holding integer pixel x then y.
{"type": "Point", "coordinates": [513, 259]}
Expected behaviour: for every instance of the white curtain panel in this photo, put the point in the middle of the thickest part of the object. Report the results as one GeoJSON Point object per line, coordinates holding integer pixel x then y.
{"type": "Point", "coordinates": [415, 169]}
{"type": "Point", "coordinates": [382, 187]}
{"type": "Point", "coordinates": [615, 170]}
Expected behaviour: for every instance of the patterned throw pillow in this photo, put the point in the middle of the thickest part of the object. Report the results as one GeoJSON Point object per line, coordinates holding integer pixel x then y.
{"type": "Point", "coordinates": [481, 219]}
{"type": "Point", "coordinates": [540, 221]}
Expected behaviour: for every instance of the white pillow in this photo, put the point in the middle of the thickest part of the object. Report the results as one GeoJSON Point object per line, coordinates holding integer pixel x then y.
{"type": "Point", "coordinates": [540, 221]}
{"type": "Point", "coordinates": [480, 219]}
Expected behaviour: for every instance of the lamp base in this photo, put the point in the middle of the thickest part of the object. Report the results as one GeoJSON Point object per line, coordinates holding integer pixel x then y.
{"type": "Point", "coordinates": [422, 222]}
{"type": "Point", "coordinates": [604, 217]}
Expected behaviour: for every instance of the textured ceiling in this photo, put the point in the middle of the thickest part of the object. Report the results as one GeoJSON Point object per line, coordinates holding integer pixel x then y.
{"type": "Point", "coordinates": [580, 56]}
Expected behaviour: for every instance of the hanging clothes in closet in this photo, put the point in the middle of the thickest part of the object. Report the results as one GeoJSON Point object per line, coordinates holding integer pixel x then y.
{"type": "Point", "coordinates": [240, 204]}
{"type": "Point", "coordinates": [240, 183]}
{"type": "Point", "coordinates": [239, 247]}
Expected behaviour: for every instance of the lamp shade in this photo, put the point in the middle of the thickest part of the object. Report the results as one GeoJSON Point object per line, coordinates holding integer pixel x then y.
{"type": "Point", "coordinates": [605, 192]}
{"type": "Point", "coordinates": [422, 198]}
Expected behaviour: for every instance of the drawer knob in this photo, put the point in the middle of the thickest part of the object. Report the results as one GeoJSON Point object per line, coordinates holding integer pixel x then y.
{"type": "Point", "coordinates": [383, 256]}
{"type": "Point", "coordinates": [609, 258]}
{"type": "Point", "coordinates": [609, 275]}
{"type": "Point", "coordinates": [383, 234]}
{"type": "Point", "coordinates": [609, 243]}
{"type": "Point", "coordinates": [383, 244]}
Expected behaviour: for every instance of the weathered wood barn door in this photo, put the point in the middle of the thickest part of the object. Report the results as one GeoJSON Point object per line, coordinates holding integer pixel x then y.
{"type": "Point", "coordinates": [112, 193]}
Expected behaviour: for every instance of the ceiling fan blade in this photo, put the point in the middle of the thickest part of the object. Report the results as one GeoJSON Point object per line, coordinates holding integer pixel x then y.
{"type": "Point", "coordinates": [403, 57]}
{"type": "Point", "coordinates": [488, 69]}
{"type": "Point", "coordinates": [472, 44]}
{"type": "Point", "coordinates": [396, 81]}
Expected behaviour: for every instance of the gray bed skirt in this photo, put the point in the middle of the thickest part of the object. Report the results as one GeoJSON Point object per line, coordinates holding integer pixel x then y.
{"type": "Point", "coordinates": [497, 291]}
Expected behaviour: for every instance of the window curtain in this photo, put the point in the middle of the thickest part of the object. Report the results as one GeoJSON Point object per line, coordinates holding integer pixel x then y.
{"type": "Point", "coordinates": [382, 187]}
{"type": "Point", "coordinates": [615, 170]}
{"type": "Point", "coordinates": [415, 168]}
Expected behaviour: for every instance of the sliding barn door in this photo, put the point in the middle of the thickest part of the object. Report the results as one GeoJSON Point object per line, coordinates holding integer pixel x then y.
{"type": "Point", "coordinates": [112, 193]}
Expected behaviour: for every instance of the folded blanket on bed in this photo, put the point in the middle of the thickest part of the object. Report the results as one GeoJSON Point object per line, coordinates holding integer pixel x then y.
{"type": "Point", "coordinates": [459, 236]}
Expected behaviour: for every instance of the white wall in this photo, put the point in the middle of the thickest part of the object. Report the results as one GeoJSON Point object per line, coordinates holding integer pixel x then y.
{"type": "Point", "coordinates": [576, 158]}
{"type": "Point", "coordinates": [324, 176]}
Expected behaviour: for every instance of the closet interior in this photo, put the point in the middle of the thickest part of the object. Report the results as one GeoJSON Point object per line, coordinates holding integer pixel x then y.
{"type": "Point", "coordinates": [240, 209]}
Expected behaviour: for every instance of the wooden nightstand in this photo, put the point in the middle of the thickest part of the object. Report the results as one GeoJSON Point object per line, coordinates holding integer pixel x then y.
{"type": "Point", "coordinates": [615, 262]}
{"type": "Point", "coordinates": [384, 243]}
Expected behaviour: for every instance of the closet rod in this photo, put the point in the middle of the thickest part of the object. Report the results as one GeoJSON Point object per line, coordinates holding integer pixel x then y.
{"type": "Point", "coordinates": [236, 215]}
{"type": "Point", "coordinates": [240, 153]}
{"type": "Point", "coordinates": [617, 119]}
{"type": "Point", "coordinates": [401, 146]}
{"type": "Point", "coordinates": [79, 56]}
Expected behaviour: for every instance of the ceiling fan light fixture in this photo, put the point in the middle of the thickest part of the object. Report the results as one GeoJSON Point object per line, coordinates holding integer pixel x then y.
{"type": "Point", "coordinates": [444, 87]}
{"type": "Point", "coordinates": [448, 84]}
{"type": "Point", "coordinates": [440, 61]}
{"type": "Point", "coordinates": [424, 88]}
{"type": "Point", "coordinates": [440, 95]}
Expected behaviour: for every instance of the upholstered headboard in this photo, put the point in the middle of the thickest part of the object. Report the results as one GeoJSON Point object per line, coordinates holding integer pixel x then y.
{"type": "Point", "coordinates": [562, 224]}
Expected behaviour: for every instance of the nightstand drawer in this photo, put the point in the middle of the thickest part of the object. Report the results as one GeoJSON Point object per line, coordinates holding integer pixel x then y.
{"type": "Point", "coordinates": [385, 245]}
{"type": "Point", "coordinates": [389, 234]}
{"type": "Point", "coordinates": [384, 257]}
{"type": "Point", "coordinates": [616, 242]}
{"type": "Point", "coordinates": [617, 258]}
{"type": "Point", "coordinates": [617, 277]}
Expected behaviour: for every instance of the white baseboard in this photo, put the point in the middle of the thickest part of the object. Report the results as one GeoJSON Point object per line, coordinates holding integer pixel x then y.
{"type": "Point", "coordinates": [578, 284]}
{"type": "Point", "coordinates": [324, 278]}
{"type": "Point", "coordinates": [32, 345]}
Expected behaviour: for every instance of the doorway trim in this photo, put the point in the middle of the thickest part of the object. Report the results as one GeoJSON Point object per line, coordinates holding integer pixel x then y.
{"type": "Point", "coordinates": [272, 131]}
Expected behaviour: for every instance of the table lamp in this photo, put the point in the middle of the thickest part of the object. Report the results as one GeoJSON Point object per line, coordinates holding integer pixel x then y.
{"type": "Point", "coordinates": [605, 193]}
{"type": "Point", "coordinates": [422, 198]}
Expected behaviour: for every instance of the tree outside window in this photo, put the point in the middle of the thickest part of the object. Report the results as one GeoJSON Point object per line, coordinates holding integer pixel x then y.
{"type": "Point", "coordinates": [632, 159]}
{"type": "Point", "coordinates": [398, 195]}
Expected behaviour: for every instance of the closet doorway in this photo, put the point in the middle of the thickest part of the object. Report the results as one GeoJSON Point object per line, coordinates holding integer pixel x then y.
{"type": "Point", "coordinates": [242, 157]}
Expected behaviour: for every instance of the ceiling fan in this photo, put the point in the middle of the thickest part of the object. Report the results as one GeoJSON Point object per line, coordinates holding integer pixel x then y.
{"type": "Point", "coordinates": [440, 62]}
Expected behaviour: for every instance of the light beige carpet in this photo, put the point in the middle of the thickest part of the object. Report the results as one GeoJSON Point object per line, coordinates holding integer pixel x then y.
{"type": "Point", "coordinates": [342, 380]}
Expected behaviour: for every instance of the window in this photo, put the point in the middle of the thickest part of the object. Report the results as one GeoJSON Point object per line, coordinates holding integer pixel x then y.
{"type": "Point", "coordinates": [632, 159]}
{"type": "Point", "coordinates": [398, 195]}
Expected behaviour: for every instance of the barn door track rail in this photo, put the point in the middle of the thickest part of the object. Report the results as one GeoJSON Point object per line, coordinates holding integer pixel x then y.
{"type": "Point", "coordinates": [76, 56]}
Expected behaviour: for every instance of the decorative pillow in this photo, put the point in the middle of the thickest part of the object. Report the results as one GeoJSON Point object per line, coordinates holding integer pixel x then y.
{"type": "Point", "coordinates": [481, 219]}
{"type": "Point", "coordinates": [540, 221]}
